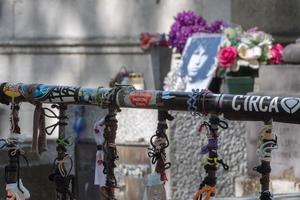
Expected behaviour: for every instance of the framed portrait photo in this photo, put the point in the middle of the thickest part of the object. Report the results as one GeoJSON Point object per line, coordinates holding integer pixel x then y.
{"type": "Point", "coordinates": [198, 63]}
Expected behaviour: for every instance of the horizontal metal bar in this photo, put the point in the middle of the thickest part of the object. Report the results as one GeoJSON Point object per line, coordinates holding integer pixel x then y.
{"type": "Point", "coordinates": [234, 107]}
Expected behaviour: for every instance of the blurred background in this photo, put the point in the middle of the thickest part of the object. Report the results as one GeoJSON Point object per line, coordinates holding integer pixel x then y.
{"type": "Point", "coordinates": [87, 42]}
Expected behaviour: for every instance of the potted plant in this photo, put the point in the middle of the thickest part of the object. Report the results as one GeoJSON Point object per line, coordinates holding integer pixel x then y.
{"type": "Point", "coordinates": [241, 54]}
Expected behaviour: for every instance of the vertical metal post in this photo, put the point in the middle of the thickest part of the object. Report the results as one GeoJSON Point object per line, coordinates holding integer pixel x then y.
{"type": "Point", "coordinates": [61, 176]}
{"type": "Point", "coordinates": [61, 150]}
{"type": "Point", "coordinates": [110, 152]}
{"type": "Point", "coordinates": [161, 142]}
{"type": "Point", "coordinates": [268, 142]}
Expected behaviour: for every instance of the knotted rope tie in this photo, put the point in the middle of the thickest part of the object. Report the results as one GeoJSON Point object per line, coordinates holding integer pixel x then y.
{"type": "Point", "coordinates": [208, 191]}
{"type": "Point", "coordinates": [68, 141]}
{"type": "Point", "coordinates": [53, 115]}
{"type": "Point", "coordinates": [14, 117]}
{"type": "Point", "coordinates": [157, 152]}
{"type": "Point", "coordinates": [61, 165]}
{"type": "Point", "coordinates": [266, 195]}
{"type": "Point", "coordinates": [39, 141]}
{"type": "Point", "coordinates": [61, 176]}
{"type": "Point", "coordinates": [14, 152]}
{"type": "Point", "coordinates": [208, 185]}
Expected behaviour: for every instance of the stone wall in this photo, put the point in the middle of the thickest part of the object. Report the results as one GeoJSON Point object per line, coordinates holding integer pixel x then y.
{"type": "Point", "coordinates": [50, 19]}
{"type": "Point", "coordinates": [276, 17]}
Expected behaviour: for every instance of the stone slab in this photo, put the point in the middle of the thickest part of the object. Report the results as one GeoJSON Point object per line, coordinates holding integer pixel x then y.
{"type": "Point", "coordinates": [272, 16]}
{"type": "Point", "coordinates": [70, 19]}
{"type": "Point", "coordinates": [6, 19]}
{"type": "Point", "coordinates": [279, 79]}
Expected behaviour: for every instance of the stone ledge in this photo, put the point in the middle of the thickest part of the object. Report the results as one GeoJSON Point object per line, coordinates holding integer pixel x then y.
{"type": "Point", "coordinates": [71, 46]}
{"type": "Point", "coordinates": [282, 79]}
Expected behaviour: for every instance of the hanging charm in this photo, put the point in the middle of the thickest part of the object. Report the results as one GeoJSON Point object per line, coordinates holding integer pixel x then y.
{"type": "Point", "coordinates": [15, 190]}
{"type": "Point", "coordinates": [159, 142]}
{"type": "Point", "coordinates": [39, 140]}
{"type": "Point", "coordinates": [268, 142]}
{"type": "Point", "coordinates": [14, 118]}
{"type": "Point", "coordinates": [207, 188]}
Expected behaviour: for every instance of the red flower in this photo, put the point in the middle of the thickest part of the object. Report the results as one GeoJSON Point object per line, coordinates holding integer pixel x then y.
{"type": "Point", "coordinates": [227, 56]}
{"type": "Point", "coordinates": [276, 54]}
{"type": "Point", "coordinates": [146, 39]}
{"type": "Point", "coordinates": [155, 39]}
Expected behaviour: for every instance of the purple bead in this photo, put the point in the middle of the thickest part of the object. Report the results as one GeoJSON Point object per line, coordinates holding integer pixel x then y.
{"type": "Point", "coordinates": [212, 145]}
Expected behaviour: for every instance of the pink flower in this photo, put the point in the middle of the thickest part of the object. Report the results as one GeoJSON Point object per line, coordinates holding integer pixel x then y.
{"type": "Point", "coordinates": [276, 54]}
{"type": "Point", "coordinates": [227, 56]}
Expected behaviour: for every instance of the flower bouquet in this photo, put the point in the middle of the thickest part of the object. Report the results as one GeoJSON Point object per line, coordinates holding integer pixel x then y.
{"type": "Point", "coordinates": [242, 53]}
{"type": "Point", "coordinates": [247, 49]}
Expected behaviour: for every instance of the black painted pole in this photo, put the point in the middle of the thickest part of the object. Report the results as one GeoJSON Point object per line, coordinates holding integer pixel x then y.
{"type": "Point", "coordinates": [234, 107]}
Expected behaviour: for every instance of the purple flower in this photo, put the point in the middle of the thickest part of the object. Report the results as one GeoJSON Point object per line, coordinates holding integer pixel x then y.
{"type": "Point", "coordinates": [186, 24]}
{"type": "Point", "coordinates": [216, 26]}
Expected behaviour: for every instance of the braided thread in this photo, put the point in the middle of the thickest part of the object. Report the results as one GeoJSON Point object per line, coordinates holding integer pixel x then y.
{"type": "Point", "coordinates": [207, 187]}
{"type": "Point", "coordinates": [110, 153]}
{"type": "Point", "coordinates": [192, 102]}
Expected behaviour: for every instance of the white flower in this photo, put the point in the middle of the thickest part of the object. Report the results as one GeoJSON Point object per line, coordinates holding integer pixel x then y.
{"type": "Point", "coordinates": [254, 64]}
{"type": "Point", "coordinates": [249, 53]}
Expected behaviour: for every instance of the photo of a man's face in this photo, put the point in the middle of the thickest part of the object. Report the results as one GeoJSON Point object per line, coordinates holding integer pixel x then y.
{"type": "Point", "coordinates": [198, 61]}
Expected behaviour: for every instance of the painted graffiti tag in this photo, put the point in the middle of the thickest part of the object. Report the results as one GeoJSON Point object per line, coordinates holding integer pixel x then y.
{"type": "Point", "coordinates": [62, 94]}
{"type": "Point", "coordinates": [41, 91]}
{"type": "Point", "coordinates": [140, 99]}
